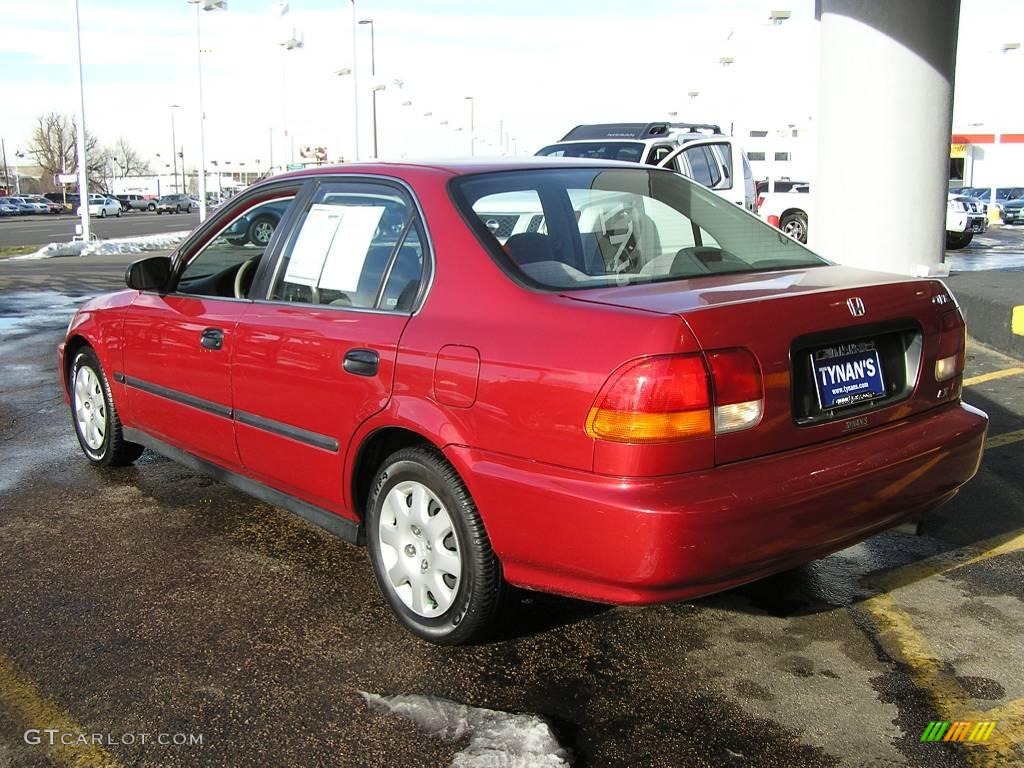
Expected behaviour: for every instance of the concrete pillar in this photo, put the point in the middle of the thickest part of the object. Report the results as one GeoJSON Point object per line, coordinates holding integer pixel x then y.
{"type": "Point", "coordinates": [884, 123]}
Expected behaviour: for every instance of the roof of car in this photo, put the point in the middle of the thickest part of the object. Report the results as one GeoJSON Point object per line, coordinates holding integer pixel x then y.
{"type": "Point", "coordinates": [456, 167]}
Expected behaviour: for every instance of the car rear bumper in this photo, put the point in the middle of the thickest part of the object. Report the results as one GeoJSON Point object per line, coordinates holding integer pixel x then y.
{"type": "Point", "coordinates": [667, 538]}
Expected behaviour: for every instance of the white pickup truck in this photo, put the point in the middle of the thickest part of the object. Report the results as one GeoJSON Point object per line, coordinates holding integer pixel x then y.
{"type": "Point", "coordinates": [791, 212]}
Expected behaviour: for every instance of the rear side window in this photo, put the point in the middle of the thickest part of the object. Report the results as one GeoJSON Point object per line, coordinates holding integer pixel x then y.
{"type": "Point", "coordinates": [703, 168]}
{"type": "Point", "coordinates": [616, 227]}
{"type": "Point", "coordinates": [357, 245]}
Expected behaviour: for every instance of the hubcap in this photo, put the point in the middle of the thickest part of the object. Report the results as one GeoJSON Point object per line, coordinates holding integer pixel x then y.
{"type": "Point", "coordinates": [90, 408]}
{"type": "Point", "coordinates": [419, 550]}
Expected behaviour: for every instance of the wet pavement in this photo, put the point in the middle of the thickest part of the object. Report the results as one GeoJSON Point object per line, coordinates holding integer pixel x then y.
{"type": "Point", "coordinates": [151, 600]}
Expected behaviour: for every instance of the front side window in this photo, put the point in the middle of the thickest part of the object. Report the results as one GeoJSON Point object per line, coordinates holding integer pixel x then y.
{"type": "Point", "coordinates": [703, 168]}
{"type": "Point", "coordinates": [617, 227]}
{"type": "Point", "coordinates": [358, 245]}
{"type": "Point", "coordinates": [236, 251]}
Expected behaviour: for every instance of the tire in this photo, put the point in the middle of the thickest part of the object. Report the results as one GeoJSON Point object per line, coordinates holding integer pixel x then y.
{"type": "Point", "coordinates": [159, 213]}
{"type": "Point", "coordinates": [151, 207]}
{"type": "Point", "coordinates": [94, 415]}
{"type": "Point", "coordinates": [957, 240]}
{"type": "Point", "coordinates": [118, 213]}
{"type": "Point", "coordinates": [260, 230]}
{"type": "Point", "coordinates": [103, 213]}
{"type": "Point", "coordinates": [448, 608]}
{"type": "Point", "coordinates": [795, 225]}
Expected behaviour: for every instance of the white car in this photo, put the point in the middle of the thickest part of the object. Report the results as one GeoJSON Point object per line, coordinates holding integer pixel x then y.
{"type": "Point", "coordinates": [789, 211]}
{"type": "Point", "coordinates": [965, 218]}
{"type": "Point", "coordinates": [107, 206]}
{"type": "Point", "coordinates": [696, 150]}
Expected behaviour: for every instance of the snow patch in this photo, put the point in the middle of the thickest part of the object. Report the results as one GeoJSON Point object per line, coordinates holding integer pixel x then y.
{"type": "Point", "coordinates": [115, 245]}
{"type": "Point", "coordinates": [496, 739]}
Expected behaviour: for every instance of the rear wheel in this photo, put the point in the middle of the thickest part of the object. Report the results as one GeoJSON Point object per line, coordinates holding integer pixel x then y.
{"type": "Point", "coordinates": [795, 225]}
{"type": "Point", "coordinates": [261, 230]}
{"type": "Point", "coordinates": [95, 417]}
{"type": "Point", "coordinates": [429, 550]}
{"type": "Point", "coordinates": [103, 213]}
{"type": "Point", "coordinates": [151, 207]}
{"type": "Point", "coordinates": [958, 240]}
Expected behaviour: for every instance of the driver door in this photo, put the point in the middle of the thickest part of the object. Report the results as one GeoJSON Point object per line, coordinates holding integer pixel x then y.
{"type": "Point", "coordinates": [179, 344]}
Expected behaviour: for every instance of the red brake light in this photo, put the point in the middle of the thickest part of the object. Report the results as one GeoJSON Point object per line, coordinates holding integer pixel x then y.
{"type": "Point", "coordinates": [951, 356]}
{"type": "Point", "coordinates": [669, 397]}
{"type": "Point", "coordinates": [773, 220]}
{"type": "Point", "coordinates": [653, 400]}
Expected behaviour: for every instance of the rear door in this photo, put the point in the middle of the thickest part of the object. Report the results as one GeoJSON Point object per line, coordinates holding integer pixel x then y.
{"type": "Point", "coordinates": [712, 162]}
{"type": "Point", "coordinates": [317, 356]}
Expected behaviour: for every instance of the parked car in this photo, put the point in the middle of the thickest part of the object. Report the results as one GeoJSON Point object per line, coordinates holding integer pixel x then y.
{"type": "Point", "coordinates": [604, 407]}
{"type": "Point", "coordinates": [135, 202]}
{"type": "Point", "coordinates": [51, 207]}
{"type": "Point", "coordinates": [175, 204]}
{"type": "Point", "coordinates": [788, 210]}
{"type": "Point", "coordinates": [965, 217]}
{"type": "Point", "coordinates": [26, 206]}
{"type": "Point", "coordinates": [699, 151]}
{"type": "Point", "coordinates": [258, 227]}
{"type": "Point", "coordinates": [1013, 211]}
{"type": "Point", "coordinates": [103, 207]}
{"type": "Point", "coordinates": [7, 208]}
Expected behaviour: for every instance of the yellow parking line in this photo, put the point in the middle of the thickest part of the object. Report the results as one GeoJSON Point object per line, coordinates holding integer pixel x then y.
{"type": "Point", "coordinates": [31, 709]}
{"type": "Point", "coordinates": [1006, 438]}
{"type": "Point", "coordinates": [929, 673]}
{"type": "Point", "coordinates": [1012, 545]}
{"type": "Point", "coordinates": [970, 382]}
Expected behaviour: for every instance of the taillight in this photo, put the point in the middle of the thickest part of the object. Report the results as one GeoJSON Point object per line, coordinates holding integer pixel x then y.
{"type": "Point", "coordinates": [673, 397]}
{"type": "Point", "coordinates": [758, 203]}
{"type": "Point", "coordinates": [950, 359]}
{"type": "Point", "coordinates": [654, 400]}
{"type": "Point", "coordinates": [773, 220]}
{"type": "Point", "coordinates": [739, 396]}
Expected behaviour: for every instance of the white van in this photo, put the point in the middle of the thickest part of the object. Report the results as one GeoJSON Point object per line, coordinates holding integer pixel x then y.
{"type": "Point", "coordinates": [696, 150]}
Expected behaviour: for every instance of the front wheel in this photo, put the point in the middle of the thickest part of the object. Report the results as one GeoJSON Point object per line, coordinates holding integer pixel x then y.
{"type": "Point", "coordinates": [429, 550]}
{"type": "Point", "coordinates": [151, 207]}
{"type": "Point", "coordinates": [95, 417]}
{"type": "Point", "coordinates": [795, 225]}
{"type": "Point", "coordinates": [957, 240]}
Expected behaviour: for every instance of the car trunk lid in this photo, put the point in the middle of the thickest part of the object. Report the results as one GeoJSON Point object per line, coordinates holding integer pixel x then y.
{"type": "Point", "coordinates": [797, 321]}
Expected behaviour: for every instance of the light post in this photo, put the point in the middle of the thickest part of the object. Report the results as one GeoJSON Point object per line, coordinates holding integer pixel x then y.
{"type": "Point", "coordinates": [472, 125]}
{"type": "Point", "coordinates": [373, 75]}
{"type": "Point", "coordinates": [205, 5]}
{"type": "Point", "coordinates": [293, 43]}
{"type": "Point", "coordinates": [83, 169]}
{"type": "Point", "coordinates": [174, 149]}
{"type": "Point", "coordinates": [355, 85]}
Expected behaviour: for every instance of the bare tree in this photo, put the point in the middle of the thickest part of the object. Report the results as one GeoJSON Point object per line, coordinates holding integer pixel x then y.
{"type": "Point", "coordinates": [53, 148]}
{"type": "Point", "coordinates": [128, 160]}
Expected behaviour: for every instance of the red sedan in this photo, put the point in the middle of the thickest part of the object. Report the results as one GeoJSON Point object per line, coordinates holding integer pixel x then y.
{"type": "Point", "coordinates": [586, 378]}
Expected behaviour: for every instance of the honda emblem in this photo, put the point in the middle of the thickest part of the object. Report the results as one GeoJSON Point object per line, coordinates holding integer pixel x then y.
{"type": "Point", "coordinates": [856, 306]}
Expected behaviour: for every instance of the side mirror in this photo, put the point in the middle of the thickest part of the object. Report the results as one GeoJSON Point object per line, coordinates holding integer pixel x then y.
{"type": "Point", "coordinates": [150, 274]}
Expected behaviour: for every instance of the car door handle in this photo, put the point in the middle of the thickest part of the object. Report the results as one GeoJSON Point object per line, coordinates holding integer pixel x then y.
{"type": "Point", "coordinates": [212, 338]}
{"type": "Point", "coordinates": [361, 362]}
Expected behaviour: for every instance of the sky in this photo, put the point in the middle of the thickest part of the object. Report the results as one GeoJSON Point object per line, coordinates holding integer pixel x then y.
{"type": "Point", "coordinates": [534, 69]}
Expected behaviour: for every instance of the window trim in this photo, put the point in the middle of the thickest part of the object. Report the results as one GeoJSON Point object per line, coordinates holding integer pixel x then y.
{"type": "Point", "coordinates": [312, 185]}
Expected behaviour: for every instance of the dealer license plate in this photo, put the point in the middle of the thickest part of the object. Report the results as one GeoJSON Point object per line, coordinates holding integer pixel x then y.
{"type": "Point", "coordinates": [847, 374]}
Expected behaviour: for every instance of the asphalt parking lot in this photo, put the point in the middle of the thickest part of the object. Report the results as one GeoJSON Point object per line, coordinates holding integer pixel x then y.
{"type": "Point", "coordinates": [39, 230]}
{"type": "Point", "coordinates": [153, 600]}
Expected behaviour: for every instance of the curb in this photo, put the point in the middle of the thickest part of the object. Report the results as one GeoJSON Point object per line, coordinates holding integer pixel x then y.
{"type": "Point", "coordinates": [993, 305]}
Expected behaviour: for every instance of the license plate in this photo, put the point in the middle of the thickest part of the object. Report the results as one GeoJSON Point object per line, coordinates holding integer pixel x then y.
{"type": "Point", "coordinates": [977, 228]}
{"type": "Point", "coordinates": [847, 374]}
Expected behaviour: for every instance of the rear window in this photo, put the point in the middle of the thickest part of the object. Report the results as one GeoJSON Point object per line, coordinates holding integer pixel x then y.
{"type": "Point", "coordinates": [626, 151]}
{"type": "Point", "coordinates": [570, 229]}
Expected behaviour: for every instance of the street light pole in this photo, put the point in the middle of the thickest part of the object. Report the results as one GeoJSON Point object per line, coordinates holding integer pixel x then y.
{"type": "Point", "coordinates": [174, 150]}
{"type": "Point", "coordinates": [83, 169]}
{"type": "Point", "coordinates": [205, 5]}
{"type": "Point", "coordinates": [355, 84]}
{"type": "Point", "coordinates": [373, 75]}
